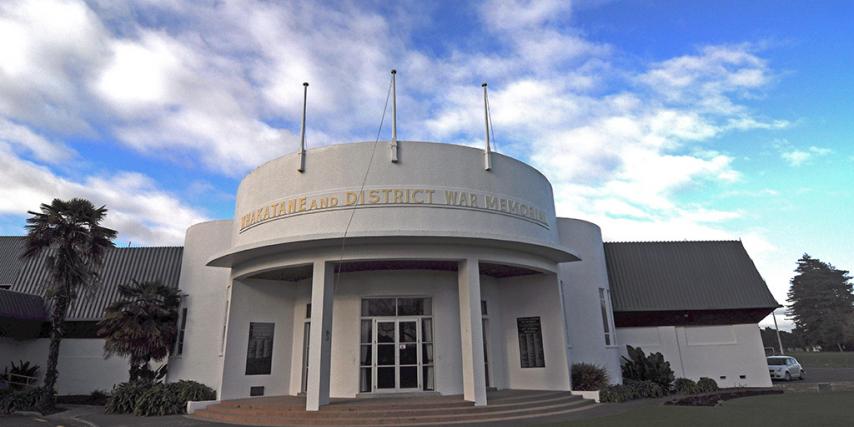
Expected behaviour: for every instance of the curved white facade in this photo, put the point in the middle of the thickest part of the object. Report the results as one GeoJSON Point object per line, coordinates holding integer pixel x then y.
{"type": "Point", "coordinates": [430, 274]}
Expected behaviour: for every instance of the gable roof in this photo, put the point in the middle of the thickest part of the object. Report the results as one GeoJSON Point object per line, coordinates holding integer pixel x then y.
{"type": "Point", "coordinates": [121, 265]}
{"type": "Point", "coordinates": [683, 276]}
{"type": "Point", "coordinates": [10, 264]}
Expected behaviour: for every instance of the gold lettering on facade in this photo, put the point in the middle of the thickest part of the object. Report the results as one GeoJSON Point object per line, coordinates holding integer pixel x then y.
{"type": "Point", "coordinates": [397, 196]}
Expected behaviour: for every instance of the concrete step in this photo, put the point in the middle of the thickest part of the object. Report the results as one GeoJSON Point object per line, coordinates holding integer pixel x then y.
{"type": "Point", "coordinates": [517, 408]}
{"type": "Point", "coordinates": [366, 411]}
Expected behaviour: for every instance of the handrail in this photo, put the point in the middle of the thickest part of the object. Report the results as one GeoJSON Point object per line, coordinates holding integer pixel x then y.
{"type": "Point", "coordinates": [23, 380]}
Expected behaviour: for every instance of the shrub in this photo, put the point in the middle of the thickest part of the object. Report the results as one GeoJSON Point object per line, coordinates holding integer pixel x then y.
{"type": "Point", "coordinates": [617, 393]}
{"type": "Point", "coordinates": [647, 389]}
{"type": "Point", "coordinates": [586, 376]}
{"type": "Point", "coordinates": [685, 386]}
{"type": "Point", "coordinates": [145, 398]}
{"type": "Point", "coordinates": [124, 396]}
{"type": "Point", "coordinates": [191, 390]}
{"type": "Point", "coordinates": [706, 385]}
{"type": "Point", "coordinates": [631, 390]}
{"type": "Point", "coordinates": [640, 367]}
{"type": "Point", "coordinates": [159, 399]}
{"type": "Point", "coordinates": [21, 400]}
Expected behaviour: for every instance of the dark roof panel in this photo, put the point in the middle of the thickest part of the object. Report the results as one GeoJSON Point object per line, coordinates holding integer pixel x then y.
{"type": "Point", "coordinates": [21, 306]}
{"type": "Point", "coordinates": [121, 265]}
{"type": "Point", "coordinates": [689, 275]}
{"type": "Point", "coordinates": [10, 263]}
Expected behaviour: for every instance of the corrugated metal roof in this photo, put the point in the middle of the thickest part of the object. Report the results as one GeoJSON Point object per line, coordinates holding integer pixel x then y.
{"type": "Point", "coordinates": [10, 263]}
{"type": "Point", "coordinates": [121, 265]}
{"type": "Point", "coordinates": [689, 275]}
{"type": "Point", "coordinates": [21, 306]}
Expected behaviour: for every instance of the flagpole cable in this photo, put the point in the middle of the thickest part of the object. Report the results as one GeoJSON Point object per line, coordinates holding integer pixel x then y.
{"type": "Point", "coordinates": [364, 183]}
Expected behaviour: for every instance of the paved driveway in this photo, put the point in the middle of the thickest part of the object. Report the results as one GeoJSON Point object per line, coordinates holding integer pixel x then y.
{"type": "Point", "coordinates": [827, 375]}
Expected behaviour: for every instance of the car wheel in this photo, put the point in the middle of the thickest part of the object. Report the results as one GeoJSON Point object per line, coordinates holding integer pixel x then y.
{"type": "Point", "coordinates": [788, 376]}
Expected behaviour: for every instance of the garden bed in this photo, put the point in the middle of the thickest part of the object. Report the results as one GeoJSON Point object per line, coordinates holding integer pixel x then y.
{"type": "Point", "coordinates": [713, 399]}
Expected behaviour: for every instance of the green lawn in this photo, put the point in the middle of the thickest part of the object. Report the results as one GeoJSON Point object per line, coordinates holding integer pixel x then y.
{"type": "Point", "coordinates": [790, 409]}
{"type": "Point", "coordinates": [825, 359]}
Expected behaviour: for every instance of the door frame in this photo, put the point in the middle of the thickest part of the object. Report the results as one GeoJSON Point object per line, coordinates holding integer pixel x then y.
{"type": "Point", "coordinates": [397, 320]}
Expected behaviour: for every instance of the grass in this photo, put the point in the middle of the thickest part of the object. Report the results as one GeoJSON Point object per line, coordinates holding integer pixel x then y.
{"type": "Point", "coordinates": [790, 409]}
{"type": "Point", "coordinates": [825, 359]}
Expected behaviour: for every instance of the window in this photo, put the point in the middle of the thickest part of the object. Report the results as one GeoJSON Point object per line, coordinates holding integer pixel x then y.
{"type": "Point", "coordinates": [225, 320]}
{"type": "Point", "coordinates": [179, 344]}
{"type": "Point", "coordinates": [607, 317]}
{"type": "Point", "coordinates": [259, 355]}
{"type": "Point", "coordinates": [381, 307]}
{"type": "Point", "coordinates": [531, 354]}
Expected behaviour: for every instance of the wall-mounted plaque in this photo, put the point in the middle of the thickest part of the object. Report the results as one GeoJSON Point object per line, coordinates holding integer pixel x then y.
{"type": "Point", "coordinates": [530, 342]}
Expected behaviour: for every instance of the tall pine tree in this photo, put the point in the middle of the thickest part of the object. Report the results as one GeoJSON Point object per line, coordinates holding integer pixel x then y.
{"type": "Point", "coordinates": [822, 304]}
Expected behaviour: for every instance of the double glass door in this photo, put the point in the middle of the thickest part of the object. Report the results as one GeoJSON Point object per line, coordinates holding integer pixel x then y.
{"type": "Point", "coordinates": [397, 356]}
{"type": "Point", "coordinates": [396, 345]}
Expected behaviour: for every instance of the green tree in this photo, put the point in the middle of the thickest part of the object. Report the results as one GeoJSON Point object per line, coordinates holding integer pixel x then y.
{"type": "Point", "coordinates": [70, 234]}
{"type": "Point", "coordinates": [142, 325]}
{"type": "Point", "coordinates": [821, 303]}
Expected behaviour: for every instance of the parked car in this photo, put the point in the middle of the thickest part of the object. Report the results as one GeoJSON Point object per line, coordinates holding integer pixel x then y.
{"type": "Point", "coordinates": [785, 368]}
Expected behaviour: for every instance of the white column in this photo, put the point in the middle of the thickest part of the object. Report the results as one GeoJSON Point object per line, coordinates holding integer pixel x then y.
{"type": "Point", "coordinates": [320, 338]}
{"type": "Point", "coordinates": [471, 332]}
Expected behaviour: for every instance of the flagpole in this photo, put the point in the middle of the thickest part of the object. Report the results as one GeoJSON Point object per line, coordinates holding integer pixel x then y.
{"type": "Point", "coordinates": [394, 116]}
{"type": "Point", "coordinates": [302, 129]}
{"type": "Point", "coordinates": [487, 152]}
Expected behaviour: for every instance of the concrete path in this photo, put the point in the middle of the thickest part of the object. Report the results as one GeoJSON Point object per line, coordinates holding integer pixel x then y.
{"type": "Point", "coordinates": [829, 375]}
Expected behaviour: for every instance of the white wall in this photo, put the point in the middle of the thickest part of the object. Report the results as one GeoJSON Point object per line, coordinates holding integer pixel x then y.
{"type": "Point", "coordinates": [258, 301]}
{"type": "Point", "coordinates": [729, 351]}
{"type": "Point", "coordinates": [82, 367]}
{"type": "Point", "coordinates": [581, 281]}
{"type": "Point", "coordinates": [205, 300]}
{"type": "Point", "coordinates": [527, 296]}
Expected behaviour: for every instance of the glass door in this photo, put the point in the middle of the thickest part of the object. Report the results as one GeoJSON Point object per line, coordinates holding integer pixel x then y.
{"type": "Point", "coordinates": [398, 359]}
{"type": "Point", "coordinates": [396, 345]}
{"type": "Point", "coordinates": [386, 351]}
{"type": "Point", "coordinates": [407, 355]}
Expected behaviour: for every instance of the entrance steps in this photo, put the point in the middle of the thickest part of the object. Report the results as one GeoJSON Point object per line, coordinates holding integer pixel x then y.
{"type": "Point", "coordinates": [503, 405]}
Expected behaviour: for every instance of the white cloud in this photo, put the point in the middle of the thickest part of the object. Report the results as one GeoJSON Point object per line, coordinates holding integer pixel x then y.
{"type": "Point", "coordinates": [140, 211]}
{"type": "Point", "coordinates": [24, 139]}
{"type": "Point", "coordinates": [797, 157]}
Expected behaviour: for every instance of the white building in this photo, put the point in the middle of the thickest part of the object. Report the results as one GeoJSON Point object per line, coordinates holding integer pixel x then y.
{"type": "Point", "coordinates": [428, 274]}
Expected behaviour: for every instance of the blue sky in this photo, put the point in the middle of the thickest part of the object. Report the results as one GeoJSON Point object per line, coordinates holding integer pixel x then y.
{"type": "Point", "coordinates": [658, 120]}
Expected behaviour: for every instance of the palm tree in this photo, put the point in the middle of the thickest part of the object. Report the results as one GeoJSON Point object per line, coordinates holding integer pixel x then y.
{"type": "Point", "coordinates": [70, 234]}
{"type": "Point", "coordinates": [142, 325]}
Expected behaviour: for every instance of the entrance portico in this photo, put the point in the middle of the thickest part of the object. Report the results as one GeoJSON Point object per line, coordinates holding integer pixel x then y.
{"type": "Point", "coordinates": [440, 345]}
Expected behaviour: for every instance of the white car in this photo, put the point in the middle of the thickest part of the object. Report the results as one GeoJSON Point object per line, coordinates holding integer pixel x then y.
{"type": "Point", "coordinates": [785, 368]}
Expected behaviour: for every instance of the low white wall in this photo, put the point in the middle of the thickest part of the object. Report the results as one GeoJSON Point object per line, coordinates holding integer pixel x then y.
{"type": "Point", "coordinates": [732, 355]}
{"type": "Point", "coordinates": [82, 367]}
